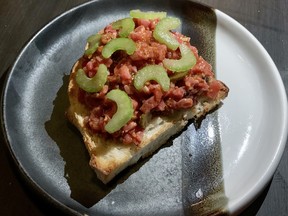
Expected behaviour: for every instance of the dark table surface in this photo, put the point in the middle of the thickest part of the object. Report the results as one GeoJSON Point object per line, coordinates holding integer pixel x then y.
{"type": "Point", "coordinates": [20, 20]}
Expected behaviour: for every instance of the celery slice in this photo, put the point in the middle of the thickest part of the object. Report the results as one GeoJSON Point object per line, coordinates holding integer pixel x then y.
{"type": "Point", "coordinates": [93, 43]}
{"type": "Point", "coordinates": [178, 76]}
{"type": "Point", "coordinates": [147, 15]}
{"type": "Point", "coordinates": [124, 110]}
{"type": "Point", "coordinates": [126, 26]}
{"type": "Point", "coordinates": [145, 119]}
{"type": "Point", "coordinates": [186, 62]}
{"type": "Point", "coordinates": [94, 84]}
{"type": "Point", "coordinates": [162, 32]}
{"type": "Point", "coordinates": [152, 72]}
{"type": "Point", "coordinates": [118, 44]}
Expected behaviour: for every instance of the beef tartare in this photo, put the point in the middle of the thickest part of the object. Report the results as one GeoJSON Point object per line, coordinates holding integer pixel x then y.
{"type": "Point", "coordinates": [155, 70]}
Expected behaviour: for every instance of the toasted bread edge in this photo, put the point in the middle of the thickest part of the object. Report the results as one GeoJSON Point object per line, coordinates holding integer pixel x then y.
{"type": "Point", "coordinates": [110, 157]}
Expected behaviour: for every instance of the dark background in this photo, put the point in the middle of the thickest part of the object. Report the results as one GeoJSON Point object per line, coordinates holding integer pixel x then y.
{"type": "Point", "coordinates": [267, 20]}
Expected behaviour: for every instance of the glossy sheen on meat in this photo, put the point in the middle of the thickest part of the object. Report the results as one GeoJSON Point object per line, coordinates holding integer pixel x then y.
{"type": "Point", "coordinates": [152, 99]}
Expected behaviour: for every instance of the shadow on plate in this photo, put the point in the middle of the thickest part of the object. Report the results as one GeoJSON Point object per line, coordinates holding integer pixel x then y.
{"type": "Point", "coordinates": [84, 185]}
{"type": "Point", "coordinates": [256, 205]}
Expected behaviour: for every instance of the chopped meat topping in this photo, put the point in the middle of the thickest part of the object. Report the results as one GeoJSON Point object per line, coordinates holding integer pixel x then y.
{"type": "Point", "coordinates": [152, 99]}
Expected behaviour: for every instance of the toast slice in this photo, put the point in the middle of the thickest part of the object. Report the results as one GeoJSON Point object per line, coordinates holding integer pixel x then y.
{"type": "Point", "coordinates": [108, 157]}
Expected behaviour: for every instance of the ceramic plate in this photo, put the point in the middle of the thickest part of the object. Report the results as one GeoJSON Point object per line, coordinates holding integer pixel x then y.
{"type": "Point", "coordinates": [219, 168]}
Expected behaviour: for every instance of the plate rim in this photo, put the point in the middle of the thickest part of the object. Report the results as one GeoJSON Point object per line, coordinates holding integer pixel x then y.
{"type": "Point", "coordinates": [260, 185]}
{"type": "Point", "coordinates": [235, 207]}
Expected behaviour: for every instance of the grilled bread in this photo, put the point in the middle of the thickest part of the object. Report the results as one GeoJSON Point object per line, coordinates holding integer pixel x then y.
{"type": "Point", "coordinates": [108, 155]}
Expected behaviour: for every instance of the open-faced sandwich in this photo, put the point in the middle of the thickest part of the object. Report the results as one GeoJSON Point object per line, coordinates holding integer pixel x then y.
{"type": "Point", "coordinates": [136, 85]}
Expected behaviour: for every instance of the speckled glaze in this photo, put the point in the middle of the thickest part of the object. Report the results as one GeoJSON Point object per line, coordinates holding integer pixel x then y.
{"type": "Point", "coordinates": [52, 153]}
{"type": "Point", "coordinates": [217, 168]}
{"type": "Point", "coordinates": [203, 190]}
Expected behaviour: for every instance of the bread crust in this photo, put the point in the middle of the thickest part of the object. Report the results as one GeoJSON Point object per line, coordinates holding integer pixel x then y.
{"type": "Point", "coordinates": [108, 157]}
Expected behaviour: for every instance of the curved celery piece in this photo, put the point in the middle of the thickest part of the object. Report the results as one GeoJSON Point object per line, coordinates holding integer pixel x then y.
{"type": "Point", "coordinates": [126, 26]}
{"type": "Point", "coordinates": [186, 62]}
{"type": "Point", "coordinates": [93, 43]}
{"type": "Point", "coordinates": [162, 32]}
{"type": "Point", "coordinates": [145, 119]}
{"type": "Point", "coordinates": [118, 44]}
{"type": "Point", "coordinates": [124, 110]}
{"type": "Point", "coordinates": [178, 76]}
{"type": "Point", "coordinates": [152, 72]}
{"type": "Point", "coordinates": [94, 84]}
{"type": "Point", "coordinates": [147, 15]}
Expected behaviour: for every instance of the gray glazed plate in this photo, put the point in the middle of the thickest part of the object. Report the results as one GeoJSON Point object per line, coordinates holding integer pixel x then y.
{"type": "Point", "coordinates": [196, 172]}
